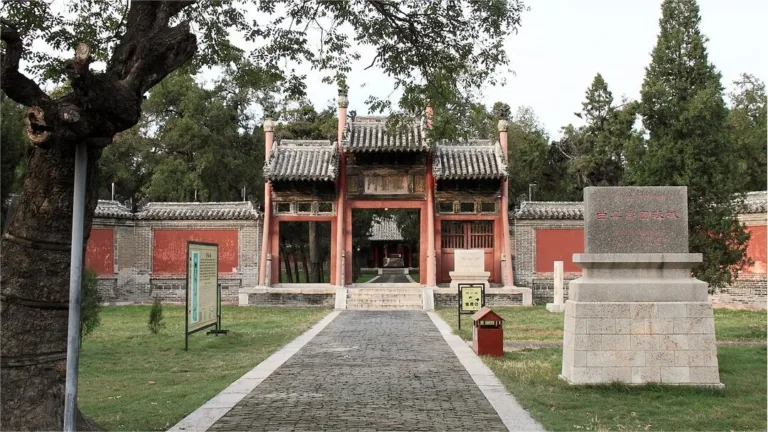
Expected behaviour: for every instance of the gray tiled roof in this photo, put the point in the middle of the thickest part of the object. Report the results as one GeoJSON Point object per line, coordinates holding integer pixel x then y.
{"type": "Point", "coordinates": [384, 229]}
{"type": "Point", "coordinates": [237, 210]}
{"type": "Point", "coordinates": [756, 202]}
{"type": "Point", "coordinates": [302, 160]}
{"type": "Point", "coordinates": [113, 210]}
{"type": "Point", "coordinates": [370, 134]}
{"type": "Point", "coordinates": [474, 159]}
{"type": "Point", "coordinates": [551, 210]}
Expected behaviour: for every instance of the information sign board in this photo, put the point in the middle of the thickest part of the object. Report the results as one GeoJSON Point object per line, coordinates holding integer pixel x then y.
{"type": "Point", "coordinates": [203, 297]}
{"type": "Point", "coordinates": [471, 299]}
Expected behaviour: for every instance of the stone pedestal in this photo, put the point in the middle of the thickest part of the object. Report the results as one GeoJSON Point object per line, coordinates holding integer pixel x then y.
{"type": "Point", "coordinates": [469, 267]}
{"type": "Point", "coordinates": [638, 319]}
{"type": "Point", "coordinates": [558, 306]}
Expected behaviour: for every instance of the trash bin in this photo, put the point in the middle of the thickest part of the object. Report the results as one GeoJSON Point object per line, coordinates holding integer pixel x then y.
{"type": "Point", "coordinates": [487, 333]}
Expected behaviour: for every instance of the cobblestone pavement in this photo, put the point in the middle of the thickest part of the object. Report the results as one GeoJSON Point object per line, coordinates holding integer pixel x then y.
{"type": "Point", "coordinates": [392, 278]}
{"type": "Point", "coordinates": [368, 371]}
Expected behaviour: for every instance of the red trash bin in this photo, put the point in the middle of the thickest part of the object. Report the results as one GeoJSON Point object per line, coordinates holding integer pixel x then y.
{"type": "Point", "coordinates": [487, 333]}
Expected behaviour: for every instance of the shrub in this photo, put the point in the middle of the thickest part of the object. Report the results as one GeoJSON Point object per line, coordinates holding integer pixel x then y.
{"type": "Point", "coordinates": [90, 303]}
{"type": "Point", "coordinates": [156, 316]}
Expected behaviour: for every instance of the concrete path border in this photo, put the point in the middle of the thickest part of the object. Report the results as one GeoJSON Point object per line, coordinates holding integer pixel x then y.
{"type": "Point", "coordinates": [514, 416]}
{"type": "Point", "coordinates": [204, 417]}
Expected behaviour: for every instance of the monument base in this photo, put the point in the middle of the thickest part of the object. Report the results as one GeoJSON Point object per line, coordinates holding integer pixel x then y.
{"type": "Point", "coordinates": [640, 343]}
{"type": "Point", "coordinates": [556, 308]}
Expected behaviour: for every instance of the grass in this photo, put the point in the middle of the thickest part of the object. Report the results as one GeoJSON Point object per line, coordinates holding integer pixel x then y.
{"type": "Point", "coordinates": [131, 379]}
{"type": "Point", "coordinates": [520, 323]}
{"type": "Point", "coordinates": [414, 276]}
{"type": "Point", "coordinates": [365, 277]}
{"type": "Point", "coordinates": [740, 325]}
{"type": "Point", "coordinates": [531, 375]}
{"type": "Point", "coordinates": [537, 325]}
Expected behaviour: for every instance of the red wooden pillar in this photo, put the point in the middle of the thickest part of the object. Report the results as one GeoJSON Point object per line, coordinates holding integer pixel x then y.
{"type": "Point", "coordinates": [269, 134]}
{"type": "Point", "coordinates": [507, 270]}
{"type": "Point", "coordinates": [342, 231]}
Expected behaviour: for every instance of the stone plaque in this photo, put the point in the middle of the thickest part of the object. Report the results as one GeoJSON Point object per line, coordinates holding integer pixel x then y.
{"type": "Point", "coordinates": [469, 261]}
{"type": "Point", "coordinates": [386, 185]}
{"type": "Point", "coordinates": [636, 219]}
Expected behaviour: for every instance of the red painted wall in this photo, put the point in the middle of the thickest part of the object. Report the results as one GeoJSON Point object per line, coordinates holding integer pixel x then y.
{"type": "Point", "coordinates": [558, 245]}
{"type": "Point", "coordinates": [100, 253]}
{"type": "Point", "coordinates": [169, 249]}
{"type": "Point", "coordinates": [756, 249]}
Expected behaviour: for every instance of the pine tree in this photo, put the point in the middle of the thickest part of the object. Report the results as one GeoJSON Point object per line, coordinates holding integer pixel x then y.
{"type": "Point", "coordinates": [747, 134]}
{"type": "Point", "coordinates": [683, 111]}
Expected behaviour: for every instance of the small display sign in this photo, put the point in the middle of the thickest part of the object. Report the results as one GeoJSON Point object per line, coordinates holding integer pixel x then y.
{"type": "Point", "coordinates": [203, 290]}
{"type": "Point", "coordinates": [471, 299]}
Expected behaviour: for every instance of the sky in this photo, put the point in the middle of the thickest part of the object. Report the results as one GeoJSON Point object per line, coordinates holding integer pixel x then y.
{"type": "Point", "coordinates": [562, 44]}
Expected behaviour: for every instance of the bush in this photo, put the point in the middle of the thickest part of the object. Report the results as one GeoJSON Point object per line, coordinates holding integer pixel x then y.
{"type": "Point", "coordinates": [156, 316]}
{"type": "Point", "coordinates": [90, 303]}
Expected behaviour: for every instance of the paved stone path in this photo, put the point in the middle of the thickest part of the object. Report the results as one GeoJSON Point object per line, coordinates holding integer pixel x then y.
{"type": "Point", "coordinates": [391, 278]}
{"type": "Point", "coordinates": [368, 371]}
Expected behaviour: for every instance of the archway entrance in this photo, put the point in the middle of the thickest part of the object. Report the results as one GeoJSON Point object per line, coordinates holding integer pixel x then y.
{"type": "Point", "coordinates": [385, 242]}
{"type": "Point", "coordinates": [385, 246]}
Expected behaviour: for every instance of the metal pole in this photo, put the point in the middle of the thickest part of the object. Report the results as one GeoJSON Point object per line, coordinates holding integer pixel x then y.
{"type": "Point", "coordinates": [113, 191]}
{"type": "Point", "coordinates": [75, 276]}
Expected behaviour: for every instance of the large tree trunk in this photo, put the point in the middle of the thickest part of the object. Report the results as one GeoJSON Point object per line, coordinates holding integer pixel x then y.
{"type": "Point", "coordinates": [286, 261]}
{"type": "Point", "coordinates": [314, 254]}
{"type": "Point", "coordinates": [305, 263]}
{"type": "Point", "coordinates": [35, 261]}
{"type": "Point", "coordinates": [35, 290]}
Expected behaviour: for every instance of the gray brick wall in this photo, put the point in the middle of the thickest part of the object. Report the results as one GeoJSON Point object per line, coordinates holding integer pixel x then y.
{"type": "Point", "coordinates": [748, 291]}
{"type": "Point", "coordinates": [133, 280]}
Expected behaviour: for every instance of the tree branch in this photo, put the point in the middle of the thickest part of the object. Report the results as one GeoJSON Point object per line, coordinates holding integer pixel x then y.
{"type": "Point", "coordinates": [14, 83]}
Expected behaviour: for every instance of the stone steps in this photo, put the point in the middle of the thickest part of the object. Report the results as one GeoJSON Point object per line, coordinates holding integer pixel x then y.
{"type": "Point", "coordinates": [384, 299]}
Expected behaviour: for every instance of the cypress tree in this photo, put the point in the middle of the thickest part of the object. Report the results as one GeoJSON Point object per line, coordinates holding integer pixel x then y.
{"type": "Point", "coordinates": [684, 113]}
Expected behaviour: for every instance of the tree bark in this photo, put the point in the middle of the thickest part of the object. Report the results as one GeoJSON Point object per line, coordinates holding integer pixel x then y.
{"type": "Point", "coordinates": [314, 255]}
{"type": "Point", "coordinates": [36, 249]}
{"type": "Point", "coordinates": [305, 263]}
{"type": "Point", "coordinates": [35, 290]}
{"type": "Point", "coordinates": [295, 257]}
{"type": "Point", "coordinates": [286, 261]}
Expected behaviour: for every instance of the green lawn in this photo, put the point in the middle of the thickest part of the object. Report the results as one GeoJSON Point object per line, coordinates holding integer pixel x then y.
{"type": "Point", "coordinates": [365, 277]}
{"type": "Point", "coordinates": [537, 324]}
{"type": "Point", "coordinates": [131, 379]}
{"type": "Point", "coordinates": [414, 276]}
{"type": "Point", "coordinates": [531, 375]}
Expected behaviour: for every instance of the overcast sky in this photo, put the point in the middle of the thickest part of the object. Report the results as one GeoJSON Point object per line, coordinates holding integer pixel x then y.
{"type": "Point", "coordinates": [562, 44]}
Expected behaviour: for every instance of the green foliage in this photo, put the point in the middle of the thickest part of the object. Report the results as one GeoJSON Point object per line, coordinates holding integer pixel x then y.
{"type": "Point", "coordinates": [683, 111]}
{"type": "Point", "coordinates": [156, 322]}
{"type": "Point", "coordinates": [747, 120]}
{"type": "Point", "coordinates": [595, 151]}
{"type": "Point", "coordinates": [191, 139]}
{"type": "Point", "coordinates": [305, 122]}
{"type": "Point", "coordinates": [435, 52]}
{"type": "Point", "coordinates": [90, 306]}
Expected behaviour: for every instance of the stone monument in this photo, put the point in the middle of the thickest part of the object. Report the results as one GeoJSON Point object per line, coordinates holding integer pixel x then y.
{"type": "Point", "coordinates": [469, 267]}
{"type": "Point", "coordinates": [636, 315]}
{"type": "Point", "coordinates": [558, 306]}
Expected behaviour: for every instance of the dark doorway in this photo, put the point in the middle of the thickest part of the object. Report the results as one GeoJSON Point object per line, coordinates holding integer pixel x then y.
{"type": "Point", "coordinates": [305, 252]}
{"type": "Point", "coordinates": [385, 245]}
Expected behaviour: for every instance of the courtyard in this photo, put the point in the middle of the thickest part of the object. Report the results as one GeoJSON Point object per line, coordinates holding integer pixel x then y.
{"type": "Point", "coordinates": [365, 366]}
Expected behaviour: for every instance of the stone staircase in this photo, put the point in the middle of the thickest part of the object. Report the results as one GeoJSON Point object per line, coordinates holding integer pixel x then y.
{"type": "Point", "coordinates": [384, 299]}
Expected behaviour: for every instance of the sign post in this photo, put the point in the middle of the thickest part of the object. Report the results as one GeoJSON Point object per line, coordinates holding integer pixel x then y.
{"type": "Point", "coordinates": [203, 297]}
{"type": "Point", "coordinates": [471, 299]}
